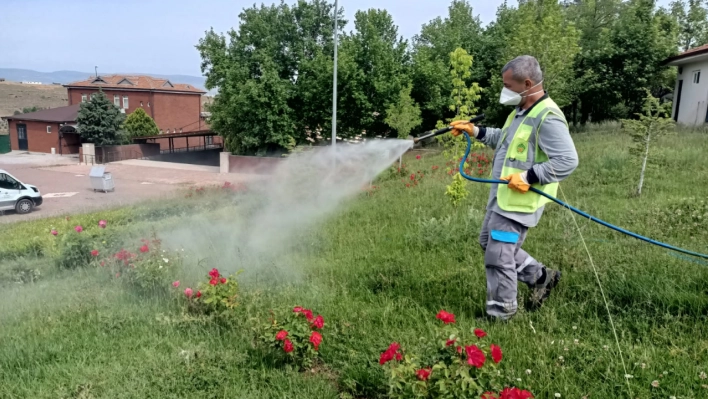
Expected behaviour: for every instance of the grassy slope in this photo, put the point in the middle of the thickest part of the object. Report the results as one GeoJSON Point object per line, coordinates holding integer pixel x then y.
{"type": "Point", "coordinates": [378, 274]}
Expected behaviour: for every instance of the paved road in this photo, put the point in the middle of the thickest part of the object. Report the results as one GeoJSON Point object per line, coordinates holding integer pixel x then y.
{"type": "Point", "coordinates": [66, 187]}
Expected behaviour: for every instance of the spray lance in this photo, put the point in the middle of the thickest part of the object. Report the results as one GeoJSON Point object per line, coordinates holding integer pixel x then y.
{"type": "Point", "coordinates": [550, 197]}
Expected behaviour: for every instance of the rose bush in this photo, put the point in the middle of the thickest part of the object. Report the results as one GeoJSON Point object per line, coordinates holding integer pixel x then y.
{"type": "Point", "coordinates": [449, 367]}
{"type": "Point", "coordinates": [295, 337]}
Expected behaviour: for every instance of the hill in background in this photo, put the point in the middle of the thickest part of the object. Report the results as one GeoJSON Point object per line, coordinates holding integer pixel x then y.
{"type": "Point", "coordinates": [65, 77]}
{"type": "Point", "coordinates": [15, 96]}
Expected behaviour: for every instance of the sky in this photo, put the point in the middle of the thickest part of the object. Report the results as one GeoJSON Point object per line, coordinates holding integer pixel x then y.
{"type": "Point", "coordinates": [156, 36]}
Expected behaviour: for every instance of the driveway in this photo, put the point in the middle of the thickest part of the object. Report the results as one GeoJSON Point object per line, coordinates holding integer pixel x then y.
{"type": "Point", "coordinates": [66, 187]}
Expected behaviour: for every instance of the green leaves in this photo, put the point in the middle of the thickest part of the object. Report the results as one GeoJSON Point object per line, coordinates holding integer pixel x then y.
{"type": "Point", "coordinates": [653, 123]}
{"type": "Point", "coordinates": [404, 115]}
{"type": "Point", "coordinates": [140, 124]}
{"type": "Point", "coordinates": [99, 121]}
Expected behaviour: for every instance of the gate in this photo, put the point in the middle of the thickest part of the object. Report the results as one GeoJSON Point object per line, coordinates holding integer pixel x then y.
{"type": "Point", "coordinates": [4, 143]}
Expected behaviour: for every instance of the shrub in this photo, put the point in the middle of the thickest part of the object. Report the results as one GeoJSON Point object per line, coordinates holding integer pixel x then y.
{"type": "Point", "coordinates": [448, 367]}
{"type": "Point", "coordinates": [150, 268]}
{"type": "Point", "coordinates": [74, 249]}
{"type": "Point", "coordinates": [296, 337]}
{"type": "Point", "coordinates": [217, 297]}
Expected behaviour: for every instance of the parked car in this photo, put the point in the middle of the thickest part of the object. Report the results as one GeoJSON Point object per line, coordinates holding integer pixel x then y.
{"type": "Point", "coordinates": [16, 195]}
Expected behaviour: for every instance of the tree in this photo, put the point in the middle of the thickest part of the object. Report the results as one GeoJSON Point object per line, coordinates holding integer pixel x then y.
{"type": "Point", "coordinates": [375, 66]}
{"type": "Point", "coordinates": [273, 76]}
{"type": "Point", "coordinates": [462, 103]}
{"type": "Point", "coordinates": [653, 123]}
{"type": "Point", "coordinates": [431, 57]}
{"type": "Point", "coordinates": [140, 124]}
{"type": "Point", "coordinates": [692, 18]}
{"type": "Point", "coordinates": [99, 121]}
{"type": "Point", "coordinates": [404, 115]}
{"type": "Point", "coordinates": [541, 30]}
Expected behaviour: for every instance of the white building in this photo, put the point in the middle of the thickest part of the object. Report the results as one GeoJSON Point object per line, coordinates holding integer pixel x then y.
{"type": "Point", "coordinates": [690, 104]}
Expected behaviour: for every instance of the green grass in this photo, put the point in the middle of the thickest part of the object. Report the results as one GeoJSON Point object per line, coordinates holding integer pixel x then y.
{"type": "Point", "coordinates": [379, 271]}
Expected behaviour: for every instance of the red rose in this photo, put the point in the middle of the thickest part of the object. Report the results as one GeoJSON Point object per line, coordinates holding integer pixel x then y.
{"type": "Point", "coordinates": [515, 393]}
{"type": "Point", "coordinates": [450, 342]}
{"type": "Point", "coordinates": [214, 273]}
{"type": "Point", "coordinates": [144, 248]}
{"type": "Point", "coordinates": [199, 293]}
{"type": "Point", "coordinates": [459, 349]}
{"type": "Point", "coordinates": [318, 322]}
{"type": "Point", "coordinates": [390, 353]}
{"type": "Point", "coordinates": [489, 395]}
{"type": "Point", "coordinates": [446, 317]}
{"type": "Point", "coordinates": [94, 252]}
{"type": "Point", "coordinates": [417, 157]}
{"type": "Point", "coordinates": [423, 374]}
{"type": "Point", "coordinates": [288, 347]}
{"type": "Point", "coordinates": [223, 280]}
{"type": "Point", "coordinates": [298, 309]}
{"type": "Point", "coordinates": [213, 281]}
{"type": "Point", "coordinates": [316, 339]}
{"type": "Point", "coordinates": [496, 353]}
{"type": "Point", "coordinates": [479, 333]}
{"type": "Point", "coordinates": [398, 356]}
{"type": "Point", "coordinates": [308, 314]}
{"type": "Point", "coordinates": [475, 357]}
{"type": "Point", "coordinates": [281, 335]}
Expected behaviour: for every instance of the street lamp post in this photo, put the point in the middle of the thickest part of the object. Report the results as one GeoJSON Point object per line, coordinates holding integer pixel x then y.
{"type": "Point", "coordinates": [334, 83]}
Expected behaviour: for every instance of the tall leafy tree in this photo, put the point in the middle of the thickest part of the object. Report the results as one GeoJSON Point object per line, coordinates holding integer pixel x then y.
{"type": "Point", "coordinates": [99, 121]}
{"type": "Point", "coordinates": [140, 124]}
{"type": "Point", "coordinates": [431, 55]}
{"type": "Point", "coordinates": [404, 115]}
{"type": "Point", "coordinates": [272, 75]}
{"type": "Point", "coordinates": [692, 17]}
{"type": "Point", "coordinates": [376, 63]}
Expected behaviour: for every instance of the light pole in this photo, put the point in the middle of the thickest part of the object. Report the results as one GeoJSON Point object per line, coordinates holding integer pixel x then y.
{"type": "Point", "coordinates": [334, 84]}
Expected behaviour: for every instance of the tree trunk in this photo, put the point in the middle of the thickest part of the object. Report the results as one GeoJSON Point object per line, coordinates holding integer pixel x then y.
{"type": "Point", "coordinates": [644, 162]}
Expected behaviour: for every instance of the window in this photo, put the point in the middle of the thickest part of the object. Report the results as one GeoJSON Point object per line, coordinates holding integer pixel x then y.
{"type": "Point", "coordinates": [49, 129]}
{"type": "Point", "coordinates": [116, 100]}
{"type": "Point", "coordinates": [141, 103]}
{"type": "Point", "coordinates": [93, 95]}
{"type": "Point", "coordinates": [83, 98]}
{"type": "Point", "coordinates": [697, 76]}
{"type": "Point", "coordinates": [8, 183]}
{"type": "Point", "coordinates": [125, 102]}
{"type": "Point", "coordinates": [148, 104]}
{"type": "Point", "coordinates": [680, 70]}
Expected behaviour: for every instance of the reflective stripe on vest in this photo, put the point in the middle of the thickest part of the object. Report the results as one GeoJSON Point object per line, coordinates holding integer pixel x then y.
{"type": "Point", "coordinates": [522, 153]}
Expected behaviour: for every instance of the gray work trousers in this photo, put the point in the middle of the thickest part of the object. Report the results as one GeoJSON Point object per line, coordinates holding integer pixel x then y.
{"type": "Point", "coordinates": [506, 263]}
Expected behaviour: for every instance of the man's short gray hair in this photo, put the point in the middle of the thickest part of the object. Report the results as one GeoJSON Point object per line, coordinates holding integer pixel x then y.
{"type": "Point", "coordinates": [524, 67]}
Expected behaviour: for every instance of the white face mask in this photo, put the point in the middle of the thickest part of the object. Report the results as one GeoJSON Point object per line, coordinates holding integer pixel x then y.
{"type": "Point", "coordinates": [509, 97]}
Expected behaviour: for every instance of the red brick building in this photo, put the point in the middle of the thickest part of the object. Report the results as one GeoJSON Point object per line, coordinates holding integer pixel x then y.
{"type": "Point", "coordinates": [45, 130]}
{"type": "Point", "coordinates": [175, 107]}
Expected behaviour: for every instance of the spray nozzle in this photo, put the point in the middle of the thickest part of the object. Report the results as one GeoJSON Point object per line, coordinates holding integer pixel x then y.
{"type": "Point", "coordinates": [444, 130]}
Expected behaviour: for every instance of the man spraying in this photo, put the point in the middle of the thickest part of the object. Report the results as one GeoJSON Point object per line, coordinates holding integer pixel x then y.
{"type": "Point", "coordinates": [533, 148]}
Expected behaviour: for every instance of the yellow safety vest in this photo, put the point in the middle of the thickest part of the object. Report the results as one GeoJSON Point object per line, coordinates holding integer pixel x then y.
{"type": "Point", "coordinates": [523, 152]}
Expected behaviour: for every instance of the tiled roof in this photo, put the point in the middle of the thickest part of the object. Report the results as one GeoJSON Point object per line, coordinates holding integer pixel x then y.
{"type": "Point", "coordinates": [140, 82]}
{"type": "Point", "coordinates": [688, 53]}
{"type": "Point", "coordinates": [57, 115]}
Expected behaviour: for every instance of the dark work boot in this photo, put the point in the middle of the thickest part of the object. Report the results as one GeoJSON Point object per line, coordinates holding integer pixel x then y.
{"type": "Point", "coordinates": [542, 289]}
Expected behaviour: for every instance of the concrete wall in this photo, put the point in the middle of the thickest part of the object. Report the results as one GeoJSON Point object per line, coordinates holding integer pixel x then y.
{"type": "Point", "coordinates": [252, 165]}
{"type": "Point", "coordinates": [694, 96]}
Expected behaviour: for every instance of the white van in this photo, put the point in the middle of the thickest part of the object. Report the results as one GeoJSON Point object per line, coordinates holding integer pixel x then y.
{"type": "Point", "coordinates": [17, 195]}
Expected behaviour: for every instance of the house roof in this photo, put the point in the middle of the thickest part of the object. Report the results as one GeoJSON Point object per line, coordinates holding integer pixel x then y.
{"type": "Point", "coordinates": [56, 115]}
{"type": "Point", "coordinates": [135, 82]}
{"type": "Point", "coordinates": [687, 55]}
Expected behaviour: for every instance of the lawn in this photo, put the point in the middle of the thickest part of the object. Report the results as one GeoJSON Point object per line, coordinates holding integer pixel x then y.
{"type": "Point", "coordinates": [378, 270]}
